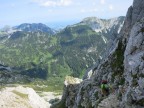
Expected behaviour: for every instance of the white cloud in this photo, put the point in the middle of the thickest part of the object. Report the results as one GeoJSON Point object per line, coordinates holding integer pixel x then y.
{"type": "Point", "coordinates": [102, 1]}
{"type": "Point", "coordinates": [88, 10]}
{"type": "Point", "coordinates": [111, 7]}
{"type": "Point", "coordinates": [53, 3]}
{"type": "Point", "coordinates": [48, 3]}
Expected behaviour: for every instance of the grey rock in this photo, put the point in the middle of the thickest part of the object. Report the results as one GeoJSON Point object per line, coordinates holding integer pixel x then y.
{"type": "Point", "coordinates": [123, 68]}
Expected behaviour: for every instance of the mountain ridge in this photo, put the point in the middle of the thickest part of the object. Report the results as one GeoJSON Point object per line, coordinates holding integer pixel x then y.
{"type": "Point", "coordinates": [45, 56]}
{"type": "Point", "coordinates": [123, 69]}
{"type": "Point", "coordinates": [33, 27]}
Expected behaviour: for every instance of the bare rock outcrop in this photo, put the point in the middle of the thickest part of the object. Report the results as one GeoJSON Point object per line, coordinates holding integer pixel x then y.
{"type": "Point", "coordinates": [20, 97]}
{"type": "Point", "coordinates": [123, 68]}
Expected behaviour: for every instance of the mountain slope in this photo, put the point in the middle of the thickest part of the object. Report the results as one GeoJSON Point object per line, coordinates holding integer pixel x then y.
{"type": "Point", "coordinates": [123, 69]}
{"type": "Point", "coordinates": [81, 47]}
{"type": "Point", "coordinates": [38, 54]}
{"type": "Point", "coordinates": [109, 27]}
{"type": "Point", "coordinates": [81, 43]}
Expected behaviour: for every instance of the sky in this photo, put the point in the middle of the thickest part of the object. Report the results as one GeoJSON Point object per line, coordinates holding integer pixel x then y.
{"type": "Point", "coordinates": [15, 12]}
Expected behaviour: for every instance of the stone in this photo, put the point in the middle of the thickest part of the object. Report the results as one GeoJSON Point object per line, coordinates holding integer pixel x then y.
{"type": "Point", "coordinates": [124, 66]}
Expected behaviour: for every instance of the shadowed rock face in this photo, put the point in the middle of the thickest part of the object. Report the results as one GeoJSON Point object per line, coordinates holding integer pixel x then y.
{"type": "Point", "coordinates": [8, 76]}
{"type": "Point", "coordinates": [123, 68]}
{"type": "Point", "coordinates": [4, 68]}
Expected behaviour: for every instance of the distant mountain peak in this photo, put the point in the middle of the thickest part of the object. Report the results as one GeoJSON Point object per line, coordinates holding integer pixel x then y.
{"type": "Point", "coordinates": [34, 27]}
{"type": "Point", "coordinates": [100, 25]}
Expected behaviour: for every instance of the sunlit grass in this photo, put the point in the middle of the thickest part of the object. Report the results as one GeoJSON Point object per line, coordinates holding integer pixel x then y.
{"type": "Point", "coordinates": [22, 95]}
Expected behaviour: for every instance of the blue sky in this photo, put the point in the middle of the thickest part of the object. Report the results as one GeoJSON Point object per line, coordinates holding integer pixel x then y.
{"type": "Point", "coordinates": [14, 12]}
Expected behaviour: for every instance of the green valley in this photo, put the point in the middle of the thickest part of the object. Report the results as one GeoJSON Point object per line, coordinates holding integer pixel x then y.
{"type": "Point", "coordinates": [43, 57]}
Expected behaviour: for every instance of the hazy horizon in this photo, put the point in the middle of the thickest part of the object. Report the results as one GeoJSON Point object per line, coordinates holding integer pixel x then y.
{"type": "Point", "coordinates": [59, 12]}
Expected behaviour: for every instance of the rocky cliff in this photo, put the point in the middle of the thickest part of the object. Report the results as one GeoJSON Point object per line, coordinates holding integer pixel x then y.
{"type": "Point", "coordinates": [123, 68]}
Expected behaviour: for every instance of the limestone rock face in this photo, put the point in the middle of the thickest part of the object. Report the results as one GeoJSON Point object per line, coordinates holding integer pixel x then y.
{"type": "Point", "coordinates": [134, 65]}
{"type": "Point", "coordinates": [71, 80]}
{"type": "Point", "coordinates": [123, 68]}
{"type": "Point", "coordinates": [135, 13]}
{"type": "Point", "coordinates": [71, 87]}
{"type": "Point", "coordinates": [110, 102]}
{"type": "Point", "coordinates": [20, 97]}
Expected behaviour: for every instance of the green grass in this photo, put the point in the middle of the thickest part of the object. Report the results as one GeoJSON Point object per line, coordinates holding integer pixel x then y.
{"type": "Point", "coordinates": [1, 87]}
{"type": "Point", "coordinates": [53, 40]}
{"type": "Point", "coordinates": [2, 46]}
{"type": "Point", "coordinates": [82, 73]}
{"type": "Point", "coordinates": [54, 84]}
{"type": "Point", "coordinates": [22, 95]}
{"type": "Point", "coordinates": [57, 55]}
